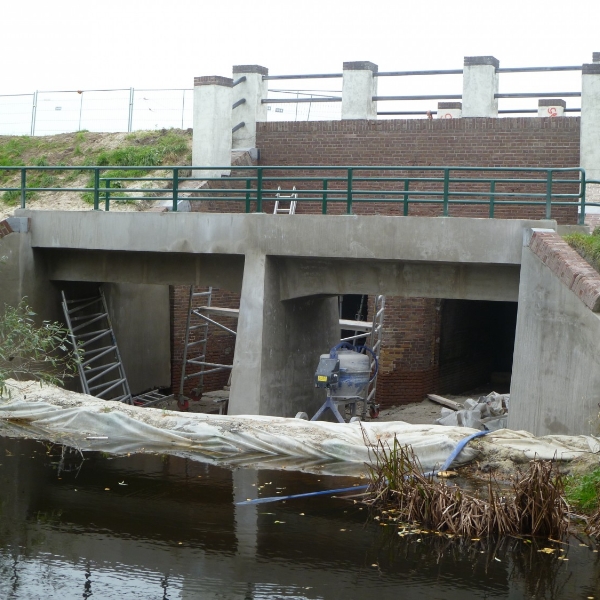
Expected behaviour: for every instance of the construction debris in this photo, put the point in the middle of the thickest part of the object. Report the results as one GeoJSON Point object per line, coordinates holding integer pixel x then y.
{"type": "Point", "coordinates": [488, 413]}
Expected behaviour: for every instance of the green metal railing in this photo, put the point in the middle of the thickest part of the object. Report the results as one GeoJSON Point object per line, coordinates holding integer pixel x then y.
{"type": "Point", "coordinates": [251, 187]}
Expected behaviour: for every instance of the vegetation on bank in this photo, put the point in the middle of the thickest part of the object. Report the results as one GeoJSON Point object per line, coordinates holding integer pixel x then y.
{"type": "Point", "coordinates": [538, 501]}
{"type": "Point", "coordinates": [30, 351]}
{"type": "Point", "coordinates": [141, 148]}
{"type": "Point", "coordinates": [588, 246]}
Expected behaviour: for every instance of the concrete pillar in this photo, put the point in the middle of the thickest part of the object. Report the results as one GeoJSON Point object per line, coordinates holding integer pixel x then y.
{"type": "Point", "coordinates": [480, 84]}
{"type": "Point", "coordinates": [449, 110]}
{"type": "Point", "coordinates": [250, 110]}
{"type": "Point", "coordinates": [358, 88]}
{"type": "Point", "coordinates": [590, 120]}
{"type": "Point", "coordinates": [551, 107]}
{"type": "Point", "coordinates": [211, 144]}
{"type": "Point", "coordinates": [596, 57]}
{"type": "Point", "coordinates": [278, 344]}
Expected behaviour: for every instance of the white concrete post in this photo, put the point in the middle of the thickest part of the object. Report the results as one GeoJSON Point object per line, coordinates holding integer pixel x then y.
{"type": "Point", "coordinates": [596, 57]}
{"type": "Point", "coordinates": [551, 107]}
{"type": "Point", "coordinates": [211, 142]}
{"type": "Point", "coordinates": [248, 95]}
{"type": "Point", "coordinates": [480, 84]}
{"type": "Point", "coordinates": [449, 110]}
{"type": "Point", "coordinates": [590, 120]}
{"type": "Point", "coordinates": [359, 85]}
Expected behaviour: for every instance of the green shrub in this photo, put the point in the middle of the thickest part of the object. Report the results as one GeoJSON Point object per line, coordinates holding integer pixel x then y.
{"type": "Point", "coordinates": [583, 491]}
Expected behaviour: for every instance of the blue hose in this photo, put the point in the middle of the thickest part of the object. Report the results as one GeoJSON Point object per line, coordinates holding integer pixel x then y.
{"type": "Point", "coordinates": [459, 448]}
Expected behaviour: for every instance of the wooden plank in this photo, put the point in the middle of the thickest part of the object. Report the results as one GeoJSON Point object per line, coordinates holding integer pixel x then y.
{"type": "Point", "coordinates": [445, 402]}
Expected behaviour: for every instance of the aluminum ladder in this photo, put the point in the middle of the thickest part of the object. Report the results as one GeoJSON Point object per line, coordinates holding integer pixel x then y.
{"type": "Point", "coordinates": [292, 199]}
{"type": "Point", "coordinates": [101, 369]}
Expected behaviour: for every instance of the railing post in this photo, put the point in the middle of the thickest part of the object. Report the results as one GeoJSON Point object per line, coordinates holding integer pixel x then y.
{"type": "Point", "coordinates": [96, 188]}
{"type": "Point", "coordinates": [107, 195]}
{"type": "Point", "coordinates": [492, 194]}
{"type": "Point", "coordinates": [549, 194]}
{"type": "Point", "coordinates": [23, 187]}
{"type": "Point", "coordinates": [259, 177]}
{"type": "Point", "coordinates": [130, 114]}
{"type": "Point", "coordinates": [324, 203]}
{"type": "Point", "coordinates": [248, 195]}
{"type": "Point", "coordinates": [406, 186]}
{"type": "Point", "coordinates": [583, 190]}
{"type": "Point", "coordinates": [34, 112]}
{"type": "Point", "coordinates": [446, 189]}
{"type": "Point", "coordinates": [176, 189]}
{"type": "Point", "coordinates": [349, 192]}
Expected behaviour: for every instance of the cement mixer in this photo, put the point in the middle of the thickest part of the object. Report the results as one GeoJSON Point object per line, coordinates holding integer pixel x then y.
{"type": "Point", "coordinates": [345, 373]}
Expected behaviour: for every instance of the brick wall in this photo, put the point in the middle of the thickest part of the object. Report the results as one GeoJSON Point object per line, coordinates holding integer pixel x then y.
{"type": "Point", "coordinates": [220, 346]}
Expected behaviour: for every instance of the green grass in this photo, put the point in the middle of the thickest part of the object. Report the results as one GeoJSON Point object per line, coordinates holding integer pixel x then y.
{"type": "Point", "coordinates": [583, 491]}
{"type": "Point", "coordinates": [588, 246]}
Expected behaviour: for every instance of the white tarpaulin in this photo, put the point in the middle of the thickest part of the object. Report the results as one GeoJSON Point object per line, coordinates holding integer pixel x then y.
{"type": "Point", "coordinates": [128, 428]}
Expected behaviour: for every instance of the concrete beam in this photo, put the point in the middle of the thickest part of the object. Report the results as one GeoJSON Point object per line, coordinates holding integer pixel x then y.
{"type": "Point", "coordinates": [359, 85]}
{"type": "Point", "coordinates": [590, 120]}
{"type": "Point", "coordinates": [211, 143]}
{"type": "Point", "coordinates": [410, 239]}
{"type": "Point", "coordinates": [480, 84]}
{"type": "Point", "coordinates": [310, 277]}
{"type": "Point", "coordinates": [249, 110]}
{"type": "Point", "coordinates": [217, 270]}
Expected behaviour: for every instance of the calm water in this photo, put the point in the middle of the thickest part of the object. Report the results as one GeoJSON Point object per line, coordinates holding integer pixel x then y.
{"type": "Point", "coordinates": [167, 527]}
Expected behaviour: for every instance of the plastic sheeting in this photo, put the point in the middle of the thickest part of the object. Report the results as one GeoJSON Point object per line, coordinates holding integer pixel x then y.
{"type": "Point", "coordinates": [55, 413]}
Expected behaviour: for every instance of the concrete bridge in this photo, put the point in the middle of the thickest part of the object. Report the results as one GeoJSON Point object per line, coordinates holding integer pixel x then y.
{"type": "Point", "coordinates": [289, 272]}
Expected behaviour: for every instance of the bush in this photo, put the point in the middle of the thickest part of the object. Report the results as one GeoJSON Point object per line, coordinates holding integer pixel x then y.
{"type": "Point", "coordinates": [30, 351]}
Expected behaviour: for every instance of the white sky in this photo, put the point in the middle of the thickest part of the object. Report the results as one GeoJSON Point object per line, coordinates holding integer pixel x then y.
{"type": "Point", "coordinates": [78, 44]}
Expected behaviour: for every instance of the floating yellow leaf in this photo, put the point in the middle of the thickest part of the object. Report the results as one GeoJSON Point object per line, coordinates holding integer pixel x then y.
{"type": "Point", "coordinates": [547, 550]}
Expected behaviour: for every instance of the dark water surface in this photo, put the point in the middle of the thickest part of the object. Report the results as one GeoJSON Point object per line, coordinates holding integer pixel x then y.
{"type": "Point", "coordinates": [168, 527]}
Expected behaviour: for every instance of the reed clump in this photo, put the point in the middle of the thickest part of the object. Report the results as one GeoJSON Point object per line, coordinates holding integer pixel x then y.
{"type": "Point", "coordinates": [534, 504]}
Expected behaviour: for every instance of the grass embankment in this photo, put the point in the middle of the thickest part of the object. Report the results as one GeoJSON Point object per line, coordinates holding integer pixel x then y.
{"type": "Point", "coordinates": [141, 148]}
{"type": "Point", "coordinates": [588, 246]}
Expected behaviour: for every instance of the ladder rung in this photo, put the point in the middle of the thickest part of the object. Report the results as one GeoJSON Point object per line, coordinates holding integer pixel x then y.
{"type": "Point", "coordinates": [115, 383]}
{"type": "Point", "coordinates": [110, 367]}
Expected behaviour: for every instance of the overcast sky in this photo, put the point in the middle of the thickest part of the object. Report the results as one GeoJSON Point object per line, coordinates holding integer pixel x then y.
{"type": "Point", "coordinates": [74, 44]}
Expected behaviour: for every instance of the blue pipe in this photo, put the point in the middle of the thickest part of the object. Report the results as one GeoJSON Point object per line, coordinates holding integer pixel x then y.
{"type": "Point", "coordinates": [459, 448]}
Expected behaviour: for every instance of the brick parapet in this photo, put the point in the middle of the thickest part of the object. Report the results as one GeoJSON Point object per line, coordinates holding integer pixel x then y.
{"type": "Point", "coordinates": [582, 279]}
{"type": "Point", "coordinates": [5, 228]}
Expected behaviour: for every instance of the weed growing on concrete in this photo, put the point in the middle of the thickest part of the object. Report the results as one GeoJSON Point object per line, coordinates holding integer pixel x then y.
{"type": "Point", "coordinates": [583, 491]}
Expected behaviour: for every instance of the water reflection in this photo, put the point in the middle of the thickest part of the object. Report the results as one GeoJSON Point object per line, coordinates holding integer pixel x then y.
{"type": "Point", "coordinates": [152, 526]}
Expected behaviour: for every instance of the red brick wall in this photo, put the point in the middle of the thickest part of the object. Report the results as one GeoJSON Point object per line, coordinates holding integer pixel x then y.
{"type": "Point", "coordinates": [220, 347]}
{"type": "Point", "coordinates": [512, 142]}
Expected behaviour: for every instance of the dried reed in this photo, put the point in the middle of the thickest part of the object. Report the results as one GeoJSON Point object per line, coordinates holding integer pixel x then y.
{"type": "Point", "coordinates": [537, 505]}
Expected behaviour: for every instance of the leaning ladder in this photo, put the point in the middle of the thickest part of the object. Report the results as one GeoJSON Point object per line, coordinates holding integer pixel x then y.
{"type": "Point", "coordinates": [292, 198]}
{"type": "Point", "coordinates": [375, 343]}
{"type": "Point", "coordinates": [101, 369]}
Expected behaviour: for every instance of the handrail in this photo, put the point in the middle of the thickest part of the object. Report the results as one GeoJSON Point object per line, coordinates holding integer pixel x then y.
{"type": "Point", "coordinates": [448, 187]}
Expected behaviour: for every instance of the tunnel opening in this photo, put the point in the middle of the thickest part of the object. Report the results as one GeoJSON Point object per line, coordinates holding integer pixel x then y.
{"type": "Point", "coordinates": [476, 345]}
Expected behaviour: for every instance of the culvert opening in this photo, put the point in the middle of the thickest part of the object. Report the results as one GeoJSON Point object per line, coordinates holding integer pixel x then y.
{"type": "Point", "coordinates": [477, 341]}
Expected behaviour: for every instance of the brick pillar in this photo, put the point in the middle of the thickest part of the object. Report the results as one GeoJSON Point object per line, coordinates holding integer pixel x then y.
{"type": "Point", "coordinates": [409, 361]}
